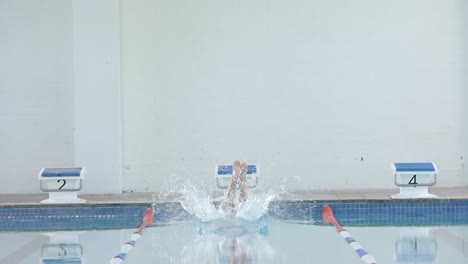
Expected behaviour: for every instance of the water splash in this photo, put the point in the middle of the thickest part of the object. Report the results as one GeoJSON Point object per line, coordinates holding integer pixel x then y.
{"type": "Point", "coordinates": [256, 205]}
{"type": "Point", "coordinates": [153, 204]}
{"type": "Point", "coordinates": [198, 202]}
{"type": "Point", "coordinates": [224, 239]}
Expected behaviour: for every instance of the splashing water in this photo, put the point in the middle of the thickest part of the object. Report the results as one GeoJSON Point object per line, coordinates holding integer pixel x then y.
{"type": "Point", "coordinates": [256, 205]}
{"type": "Point", "coordinates": [153, 204]}
{"type": "Point", "coordinates": [226, 239]}
{"type": "Point", "coordinates": [198, 202]}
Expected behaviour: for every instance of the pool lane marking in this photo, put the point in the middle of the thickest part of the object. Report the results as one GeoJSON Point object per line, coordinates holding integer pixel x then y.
{"type": "Point", "coordinates": [328, 218]}
{"type": "Point", "coordinates": [148, 219]}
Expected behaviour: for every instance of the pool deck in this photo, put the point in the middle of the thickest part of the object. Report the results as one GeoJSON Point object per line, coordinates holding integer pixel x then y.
{"type": "Point", "coordinates": [303, 195]}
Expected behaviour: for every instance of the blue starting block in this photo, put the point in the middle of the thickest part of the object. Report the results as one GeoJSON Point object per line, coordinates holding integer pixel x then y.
{"type": "Point", "coordinates": [224, 175]}
{"type": "Point", "coordinates": [414, 179]}
{"type": "Point", "coordinates": [62, 184]}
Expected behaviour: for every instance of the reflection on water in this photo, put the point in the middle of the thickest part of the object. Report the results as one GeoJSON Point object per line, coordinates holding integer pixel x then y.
{"type": "Point", "coordinates": [233, 227]}
{"type": "Point", "coordinates": [223, 239]}
{"type": "Point", "coordinates": [63, 247]}
{"type": "Point", "coordinates": [240, 241]}
{"type": "Point", "coordinates": [416, 245]}
{"type": "Point", "coordinates": [229, 241]}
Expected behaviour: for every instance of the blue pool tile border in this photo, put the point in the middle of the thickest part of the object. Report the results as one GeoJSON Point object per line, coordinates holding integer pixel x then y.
{"type": "Point", "coordinates": [44, 218]}
{"type": "Point", "coordinates": [376, 213]}
{"type": "Point", "coordinates": [347, 212]}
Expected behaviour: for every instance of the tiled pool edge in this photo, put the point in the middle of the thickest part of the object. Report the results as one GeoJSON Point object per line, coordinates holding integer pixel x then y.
{"type": "Point", "coordinates": [357, 212]}
{"type": "Point", "coordinates": [84, 217]}
{"type": "Point", "coordinates": [351, 212]}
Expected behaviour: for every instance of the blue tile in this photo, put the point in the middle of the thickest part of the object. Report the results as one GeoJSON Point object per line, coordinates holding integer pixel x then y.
{"type": "Point", "coordinates": [441, 212]}
{"type": "Point", "coordinates": [391, 212]}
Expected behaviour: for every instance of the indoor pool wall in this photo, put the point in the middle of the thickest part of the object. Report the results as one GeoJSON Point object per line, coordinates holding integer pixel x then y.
{"type": "Point", "coordinates": [107, 221]}
{"type": "Point", "coordinates": [125, 211]}
{"type": "Point", "coordinates": [348, 213]}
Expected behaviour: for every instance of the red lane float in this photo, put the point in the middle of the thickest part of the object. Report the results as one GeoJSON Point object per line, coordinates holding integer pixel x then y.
{"type": "Point", "coordinates": [148, 219]}
{"type": "Point", "coordinates": [328, 218]}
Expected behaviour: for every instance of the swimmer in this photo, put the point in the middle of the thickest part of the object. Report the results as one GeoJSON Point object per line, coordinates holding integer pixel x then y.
{"type": "Point", "coordinates": [239, 173]}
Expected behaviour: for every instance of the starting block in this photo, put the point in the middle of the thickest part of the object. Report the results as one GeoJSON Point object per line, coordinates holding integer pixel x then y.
{"type": "Point", "coordinates": [224, 175]}
{"type": "Point", "coordinates": [414, 179]}
{"type": "Point", "coordinates": [62, 184]}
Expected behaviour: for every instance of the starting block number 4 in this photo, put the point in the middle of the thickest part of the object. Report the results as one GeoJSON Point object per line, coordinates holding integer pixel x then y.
{"type": "Point", "coordinates": [414, 179]}
{"type": "Point", "coordinates": [415, 174]}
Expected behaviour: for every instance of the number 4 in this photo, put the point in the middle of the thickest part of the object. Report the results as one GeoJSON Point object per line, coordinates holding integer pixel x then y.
{"type": "Point", "coordinates": [413, 180]}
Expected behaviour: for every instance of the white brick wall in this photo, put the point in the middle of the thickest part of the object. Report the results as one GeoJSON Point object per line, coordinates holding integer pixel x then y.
{"type": "Point", "coordinates": [324, 93]}
{"type": "Point", "coordinates": [329, 91]}
{"type": "Point", "coordinates": [59, 92]}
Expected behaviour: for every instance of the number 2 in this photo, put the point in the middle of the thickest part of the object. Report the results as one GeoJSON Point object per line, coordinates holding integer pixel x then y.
{"type": "Point", "coordinates": [64, 182]}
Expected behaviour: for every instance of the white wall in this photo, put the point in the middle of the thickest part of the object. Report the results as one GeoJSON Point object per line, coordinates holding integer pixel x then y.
{"type": "Point", "coordinates": [329, 91]}
{"type": "Point", "coordinates": [36, 90]}
{"type": "Point", "coordinates": [97, 116]}
{"type": "Point", "coordinates": [59, 92]}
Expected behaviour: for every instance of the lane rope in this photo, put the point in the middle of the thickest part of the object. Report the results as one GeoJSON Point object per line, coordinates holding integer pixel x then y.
{"type": "Point", "coordinates": [328, 218]}
{"type": "Point", "coordinates": [127, 247]}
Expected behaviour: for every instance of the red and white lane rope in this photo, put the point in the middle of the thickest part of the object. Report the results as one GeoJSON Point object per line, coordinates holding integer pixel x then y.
{"type": "Point", "coordinates": [328, 218]}
{"type": "Point", "coordinates": [147, 221]}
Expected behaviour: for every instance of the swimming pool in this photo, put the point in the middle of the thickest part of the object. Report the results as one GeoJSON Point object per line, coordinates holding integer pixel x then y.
{"type": "Point", "coordinates": [292, 232]}
{"type": "Point", "coordinates": [282, 243]}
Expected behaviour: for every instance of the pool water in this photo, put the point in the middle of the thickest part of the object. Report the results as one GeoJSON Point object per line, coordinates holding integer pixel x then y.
{"type": "Point", "coordinates": [266, 240]}
{"type": "Point", "coordinates": [265, 231]}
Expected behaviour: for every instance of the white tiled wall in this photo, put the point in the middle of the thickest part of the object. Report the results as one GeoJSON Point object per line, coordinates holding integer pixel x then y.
{"type": "Point", "coordinates": [36, 90]}
{"type": "Point", "coordinates": [59, 92]}
{"type": "Point", "coordinates": [325, 94]}
{"type": "Point", "coordinates": [97, 116]}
